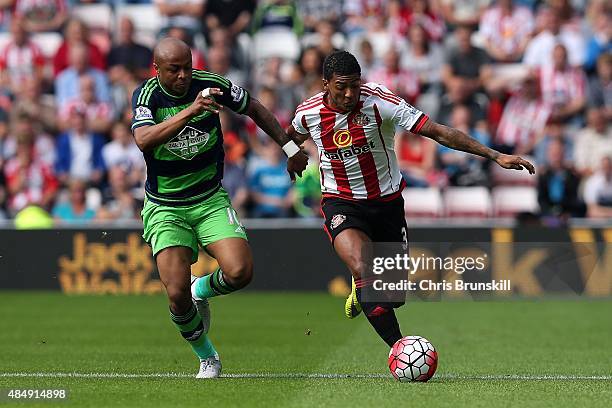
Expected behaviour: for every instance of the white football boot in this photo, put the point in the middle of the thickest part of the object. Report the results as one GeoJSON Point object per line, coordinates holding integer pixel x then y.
{"type": "Point", "coordinates": [202, 306]}
{"type": "Point", "coordinates": [210, 367]}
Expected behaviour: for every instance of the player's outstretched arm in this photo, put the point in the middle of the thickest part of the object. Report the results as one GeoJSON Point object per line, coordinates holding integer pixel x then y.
{"type": "Point", "coordinates": [297, 137]}
{"type": "Point", "coordinates": [148, 137]}
{"type": "Point", "coordinates": [456, 139]}
{"type": "Point", "coordinates": [267, 122]}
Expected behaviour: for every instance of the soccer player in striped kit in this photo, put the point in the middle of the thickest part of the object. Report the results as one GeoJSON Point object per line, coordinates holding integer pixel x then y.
{"type": "Point", "coordinates": [353, 126]}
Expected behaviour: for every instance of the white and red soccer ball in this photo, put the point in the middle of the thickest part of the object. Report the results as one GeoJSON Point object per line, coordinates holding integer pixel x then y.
{"type": "Point", "coordinates": [413, 358]}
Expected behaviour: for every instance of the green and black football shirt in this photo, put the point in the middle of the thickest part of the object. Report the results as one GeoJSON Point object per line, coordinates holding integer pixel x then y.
{"type": "Point", "coordinates": [188, 167]}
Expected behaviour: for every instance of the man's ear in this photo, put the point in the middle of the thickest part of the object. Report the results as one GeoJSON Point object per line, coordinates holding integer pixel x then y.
{"type": "Point", "coordinates": [325, 84]}
{"type": "Point", "coordinates": [156, 67]}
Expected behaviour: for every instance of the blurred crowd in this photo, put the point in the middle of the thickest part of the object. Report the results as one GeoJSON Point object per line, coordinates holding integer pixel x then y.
{"type": "Point", "coordinates": [526, 77]}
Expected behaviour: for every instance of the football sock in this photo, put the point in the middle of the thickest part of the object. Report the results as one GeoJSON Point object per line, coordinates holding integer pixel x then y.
{"type": "Point", "coordinates": [380, 315]}
{"type": "Point", "coordinates": [211, 285]}
{"type": "Point", "coordinates": [192, 330]}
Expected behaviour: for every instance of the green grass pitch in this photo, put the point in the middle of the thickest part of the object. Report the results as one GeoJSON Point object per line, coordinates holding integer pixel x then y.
{"type": "Point", "coordinates": [524, 353]}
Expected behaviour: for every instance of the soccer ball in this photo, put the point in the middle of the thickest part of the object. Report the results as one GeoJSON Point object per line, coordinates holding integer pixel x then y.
{"type": "Point", "coordinates": [413, 358]}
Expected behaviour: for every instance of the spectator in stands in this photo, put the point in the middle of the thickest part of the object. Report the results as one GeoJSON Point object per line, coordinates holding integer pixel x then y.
{"type": "Point", "coordinates": [540, 49]}
{"type": "Point", "coordinates": [563, 87]}
{"type": "Point", "coordinates": [366, 57]}
{"type": "Point", "coordinates": [76, 33]}
{"type": "Point", "coordinates": [75, 209]}
{"type": "Point", "coordinates": [600, 86]}
{"type": "Point", "coordinates": [269, 183]}
{"type": "Point", "coordinates": [42, 15]}
{"type": "Point", "coordinates": [99, 114]}
{"type": "Point", "coordinates": [186, 14]}
{"type": "Point", "coordinates": [594, 142]}
{"type": "Point", "coordinates": [26, 127]}
{"type": "Point", "coordinates": [461, 168]}
{"type": "Point", "coordinates": [2, 193]}
{"type": "Point", "coordinates": [418, 12]}
{"type": "Point", "coordinates": [234, 173]}
{"type": "Point", "coordinates": [233, 15]}
{"type": "Point", "coordinates": [219, 63]}
{"type": "Point", "coordinates": [123, 152]}
{"type": "Point", "coordinates": [197, 58]}
{"type": "Point", "coordinates": [20, 59]}
{"type": "Point", "coordinates": [463, 12]}
{"type": "Point", "coordinates": [523, 120]}
{"type": "Point", "coordinates": [311, 62]}
{"type": "Point", "coordinates": [31, 102]}
{"type": "Point", "coordinates": [118, 202]}
{"type": "Point", "coordinates": [360, 16]}
{"type": "Point", "coordinates": [277, 15]}
{"type": "Point", "coordinates": [239, 58]}
{"type": "Point", "coordinates": [558, 184]}
{"type": "Point", "coordinates": [127, 58]}
{"type": "Point", "coordinates": [67, 83]}
{"type": "Point", "coordinates": [554, 132]}
{"type": "Point", "coordinates": [79, 152]}
{"type": "Point", "coordinates": [29, 180]}
{"type": "Point", "coordinates": [464, 75]}
{"type": "Point", "coordinates": [600, 41]}
{"type": "Point", "coordinates": [425, 59]}
{"type": "Point", "coordinates": [311, 12]}
{"type": "Point", "coordinates": [506, 28]}
{"type": "Point", "coordinates": [416, 156]}
{"type": "Point", "coordinates": [402, 82]}
{"type": "Point", "coordinates": [598, 191]}
{"type": "Point", "coordinates": [325, 37]}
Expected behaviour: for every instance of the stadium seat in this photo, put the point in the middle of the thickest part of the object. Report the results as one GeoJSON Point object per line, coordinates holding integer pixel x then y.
{"type": "Point", "coordinates": [146, 19]}
{"type": "Point", "coordinates": [422, 202]}
{"type": "Point", "coordinates": [467, 202]}
{"type": "Point", "coordinates": [275, 43]}
{"type": "Point", "coordinates": [48, 43]}
{"type": "Point", "coordinates": [505, 177]}
{"type": "Point", "coordinates": [509, 201]}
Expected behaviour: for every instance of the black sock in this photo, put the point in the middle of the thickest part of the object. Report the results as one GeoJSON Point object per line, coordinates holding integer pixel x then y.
{"type": "Point", "coordinates": [382, 318]}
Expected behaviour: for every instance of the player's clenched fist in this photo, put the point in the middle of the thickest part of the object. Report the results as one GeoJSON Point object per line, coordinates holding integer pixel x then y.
{"type": "Point", "coordinates": [205, 101]}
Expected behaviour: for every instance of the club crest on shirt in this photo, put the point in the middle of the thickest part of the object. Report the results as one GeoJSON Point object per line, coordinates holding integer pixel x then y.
{"type": "Point", "coordinates": [361, 119]}
{"type": "Point", "coordinates": [337, 220]}
{"type": "Point", "coordinates": [237, 93]}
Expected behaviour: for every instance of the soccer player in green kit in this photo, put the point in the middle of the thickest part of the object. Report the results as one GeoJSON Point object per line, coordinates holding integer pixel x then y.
{"type": "Point", "coordinates": [176, 125]}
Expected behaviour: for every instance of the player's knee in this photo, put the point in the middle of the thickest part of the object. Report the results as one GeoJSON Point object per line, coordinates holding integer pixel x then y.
{"type": "Point", "coordinates": [239, 274]}
{"type": "Point", "coordinates": [357, 264]}
{"type": "Point", "coordinates": [179, 297]}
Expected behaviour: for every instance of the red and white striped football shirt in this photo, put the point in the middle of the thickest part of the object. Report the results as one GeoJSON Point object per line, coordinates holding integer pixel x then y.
{"type": "Point", "coordinates": [522, 121]}
{"type": "Point", "coordinates": [562, 87]}
{"type": "Point", "coordinates": [356, 149]}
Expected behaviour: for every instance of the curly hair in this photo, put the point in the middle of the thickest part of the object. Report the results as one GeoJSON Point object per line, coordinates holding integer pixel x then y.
{"type": "Point", "coordinates": [340, 63]}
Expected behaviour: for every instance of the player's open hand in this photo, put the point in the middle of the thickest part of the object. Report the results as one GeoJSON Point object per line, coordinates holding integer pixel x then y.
{"type": "Point", "coordinates": [514, 162]}
{"type": "Point", "coordinates": [296, 164]}
{"type": "Point", "coordinates": [205, 101]}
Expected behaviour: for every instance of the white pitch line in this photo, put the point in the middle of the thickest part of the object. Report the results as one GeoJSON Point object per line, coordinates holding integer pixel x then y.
{"type": "Point", "coordinates": [306, 376]}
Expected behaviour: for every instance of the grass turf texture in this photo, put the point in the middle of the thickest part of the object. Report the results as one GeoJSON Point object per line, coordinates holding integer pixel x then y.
{"type": "Point", "coordinates": [267, 333]}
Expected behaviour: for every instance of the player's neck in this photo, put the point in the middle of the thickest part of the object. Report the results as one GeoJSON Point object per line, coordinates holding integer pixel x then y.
{"type": "Point", "coordinates": [169, 92]}
{"type": "Point", "coordinates": [328, 102]}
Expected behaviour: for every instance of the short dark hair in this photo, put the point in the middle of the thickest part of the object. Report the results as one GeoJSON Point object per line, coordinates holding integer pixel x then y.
{"type": "Point", "coordinates": [340, 63]}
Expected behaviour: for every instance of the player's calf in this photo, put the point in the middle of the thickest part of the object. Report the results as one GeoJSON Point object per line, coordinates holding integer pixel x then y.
{"type": "Point", "coordinates": [222, 282]}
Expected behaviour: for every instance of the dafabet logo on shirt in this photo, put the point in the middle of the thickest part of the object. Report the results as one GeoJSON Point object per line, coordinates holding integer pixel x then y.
{"type": "Point", "coordinates": [188, 143]}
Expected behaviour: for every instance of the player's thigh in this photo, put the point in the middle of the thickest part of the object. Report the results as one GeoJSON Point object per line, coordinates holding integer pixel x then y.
{"type": "Point", "coordinates": [341, 215]}
{"type": "Point", "coordinates": [234, 257]}
{"type": "Point", "coordinates": [167, 227]}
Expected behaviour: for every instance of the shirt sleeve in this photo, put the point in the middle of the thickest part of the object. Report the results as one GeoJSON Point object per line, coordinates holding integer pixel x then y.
{"type": "Point", "coordinates": [234, 96]}
{"type": "Point", "coordinates": [299, 122]}
{"type": "Point", "coordinates": [142, 107]}
{"type": "Point", "coordinates": [400, 112]}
